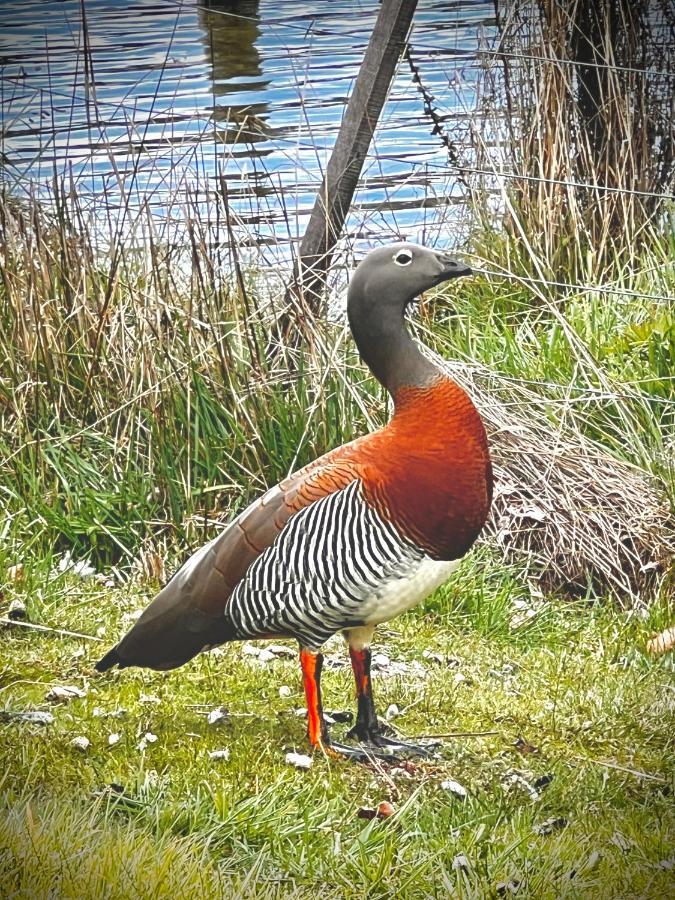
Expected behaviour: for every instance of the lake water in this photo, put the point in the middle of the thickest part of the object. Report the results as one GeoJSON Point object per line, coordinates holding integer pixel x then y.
{"type": "Point", "coordinates": [155, 104]}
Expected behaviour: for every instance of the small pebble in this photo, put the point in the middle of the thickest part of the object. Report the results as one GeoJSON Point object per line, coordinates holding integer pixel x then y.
{"type": "Point", "coordinates": [80, 743]}
{"type": "Point", "coordinates": [217, 715]}
{"type": "Point", "coordinates": [219, 754]}
{"type": "Point", "coordinates": [454, 787]}
{"type": "Point", "coordinates": [285, 691]}
{"type": "Point", "coordinates": [299, 760]}
{"type": "Point", "coordinates": [114, 738]}
{"type": "Point", "coordinates": [17, 611]}
{"type": "Point", "coordinates": [148, 738]}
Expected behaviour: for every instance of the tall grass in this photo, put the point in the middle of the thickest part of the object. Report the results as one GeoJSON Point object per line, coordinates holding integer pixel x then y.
{"type": "Point", "coordinates": [577, 106]}
{"type": "Point", "coordinates": [136, 392]}
{"type": "Point", "coordinates": [140, 402]}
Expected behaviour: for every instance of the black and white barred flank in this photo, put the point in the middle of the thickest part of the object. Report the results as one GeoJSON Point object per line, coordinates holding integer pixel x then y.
{"type": "Point", "coordinates": [323, 572]}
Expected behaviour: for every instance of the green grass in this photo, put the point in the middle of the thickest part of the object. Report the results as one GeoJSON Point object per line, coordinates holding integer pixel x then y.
{"type": "Point", "coordinates": [138, 406]}
{"type": "Point", "coordinates": [575, 683]}
{"type": "Point", "coordinates": [138, 402]}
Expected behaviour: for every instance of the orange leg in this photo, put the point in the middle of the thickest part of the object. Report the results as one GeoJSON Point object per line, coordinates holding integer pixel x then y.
{"type": "Point", "coordinates": [311, 677]}
{"type": "Point", "coordinates": [367, 729]}
{"type": "Point", "coordinates": [366, 717]}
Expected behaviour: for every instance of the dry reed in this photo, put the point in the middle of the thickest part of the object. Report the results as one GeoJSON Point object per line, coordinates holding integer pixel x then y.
{"type": "Point", "coordinates": [579, 519]}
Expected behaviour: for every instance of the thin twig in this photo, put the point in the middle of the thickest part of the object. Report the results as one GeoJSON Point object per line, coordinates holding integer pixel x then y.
{"type": "Point", "coordinates": [458, 734]}
{"type": "Point", "coordinates": [611, 765]}
{"type": "Point", "coordinates": [62, 631]}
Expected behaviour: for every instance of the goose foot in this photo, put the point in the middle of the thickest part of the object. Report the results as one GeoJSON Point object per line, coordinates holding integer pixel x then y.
{"type": "Point", "coordinates": [378, 744]}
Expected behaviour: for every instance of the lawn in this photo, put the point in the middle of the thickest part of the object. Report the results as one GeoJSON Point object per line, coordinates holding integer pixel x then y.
{"type": "Point", "coordinates": [556, 730]}
{"type": "Point", "coordinates": [140, 409]}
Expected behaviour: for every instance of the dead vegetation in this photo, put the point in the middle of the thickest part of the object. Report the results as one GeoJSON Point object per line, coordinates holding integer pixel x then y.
{"type": "Point", "coordinates": [579, 518]}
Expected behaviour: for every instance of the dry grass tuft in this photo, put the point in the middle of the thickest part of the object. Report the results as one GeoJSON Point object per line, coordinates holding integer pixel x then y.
{"type": "Point", "coordinates": [580, 518]}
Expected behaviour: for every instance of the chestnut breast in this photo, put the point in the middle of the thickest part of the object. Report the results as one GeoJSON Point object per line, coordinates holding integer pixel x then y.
{"type": "Point", "coordinates": [429, 469]}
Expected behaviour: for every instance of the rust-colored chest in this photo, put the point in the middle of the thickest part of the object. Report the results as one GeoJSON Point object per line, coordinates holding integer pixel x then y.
{"type": "Point", "coordinates": [429, 469]}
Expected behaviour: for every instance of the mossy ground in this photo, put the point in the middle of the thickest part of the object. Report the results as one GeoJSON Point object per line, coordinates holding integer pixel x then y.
{"type": "Point", "coordinates": [575, 683]}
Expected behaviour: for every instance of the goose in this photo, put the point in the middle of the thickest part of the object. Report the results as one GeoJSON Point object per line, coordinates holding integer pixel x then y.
{"type": "Point", "coordinates": [356, 537]}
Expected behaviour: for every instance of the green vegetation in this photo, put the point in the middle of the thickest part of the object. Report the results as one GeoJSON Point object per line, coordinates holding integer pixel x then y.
{"type": "Point", "coordinates": [574, 683]}
{"type": "Point", "coordinates": [143, 401]}
{"type": "Point", "coordinates": [138, 401]}
{"type": "Point", "coordinates": [139, 405]}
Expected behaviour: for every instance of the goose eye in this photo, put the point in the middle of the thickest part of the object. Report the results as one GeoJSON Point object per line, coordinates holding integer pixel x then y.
{"type": "Point", "coordinates": [403, 258]}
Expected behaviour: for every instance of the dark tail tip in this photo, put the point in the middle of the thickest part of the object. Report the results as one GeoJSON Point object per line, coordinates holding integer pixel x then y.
{"type": "Point", "coordinates": [108, 661]}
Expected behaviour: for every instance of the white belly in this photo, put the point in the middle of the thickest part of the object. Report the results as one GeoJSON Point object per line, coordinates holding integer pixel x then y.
{"type": "Point", "coordinates": [397, 594]}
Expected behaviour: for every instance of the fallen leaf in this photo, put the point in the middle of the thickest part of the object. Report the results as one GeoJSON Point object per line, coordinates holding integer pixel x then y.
{"type": "Point", "coordinates": [460, 862]}
{"type": "Point", "coordinates": [148, 738]}
{"type": "Point", "coordinates": [80, 743]}
{"type": "Point", "coordinates": [592, 861]}
{"type": "Point", "coordinates": [17, 611]}
{"type": "Point", "coordinates": [555, 823]}
{"type": "Point", "coordinates": [380, 661]}
{"type": "Point", "coordinates": [218, 715]}
{"type": "Point", "coordinates": [512, 778]}
{"type": "Point", "coordinates": [32, 716]}
{"type": "Point", "coordinates": [525, 747]}
{"type": "Point", "coordinates": [399, 772]}
{"type": "Point", "coordinates": [16, 573]}
{"type": "Point", "coordinates": [99, 713]}
{"type": "Point", "coordinates": [299, 760]}
{"type": "Point", "coordinates": [148, 698]}
{"type": "Point", "coordinates": [219, 754]}
{"type": "Point", "coordinates": [64, 693]}
{"type": "Point", "coordinates": [620, 841]}
{"type": "Point", "coordinates": [285, 691]}
{"type": "Point", "coordinates": [454, 787]}
{"type": "Point", "coordinates": [667, 864]}
{"type": "Point", "coordinates": [282, 650]}
{"type": "Point", "coordinates": [392, 711]}
{"type": "Point", "coordinates": [661, 643]}
{"type": "Point", "coordinates": [82, 569]}
{"type": "Point", "coordinates": [384, 810]}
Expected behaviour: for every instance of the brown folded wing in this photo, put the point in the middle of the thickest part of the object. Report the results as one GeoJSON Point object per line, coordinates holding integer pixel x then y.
{"type": "Point", "coordinates": [188, 613]}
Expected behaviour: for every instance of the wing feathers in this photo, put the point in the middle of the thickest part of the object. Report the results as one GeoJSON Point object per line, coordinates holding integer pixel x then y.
{"type": "Point", "coordinates": [188, 614]}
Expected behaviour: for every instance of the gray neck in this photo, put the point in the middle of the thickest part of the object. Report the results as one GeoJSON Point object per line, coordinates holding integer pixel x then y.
{"type": "Point", "coordinates": [388, 350]}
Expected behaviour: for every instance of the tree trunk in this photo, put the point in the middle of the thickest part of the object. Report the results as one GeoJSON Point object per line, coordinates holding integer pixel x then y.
{"type": "Point", "coordinates": [353, 140]}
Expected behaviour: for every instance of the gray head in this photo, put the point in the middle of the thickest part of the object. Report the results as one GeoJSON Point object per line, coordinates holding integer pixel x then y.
{"type": "Point", "coordinates": [382, 286]}
{"type": "Point", "coordinates": [394, 275]}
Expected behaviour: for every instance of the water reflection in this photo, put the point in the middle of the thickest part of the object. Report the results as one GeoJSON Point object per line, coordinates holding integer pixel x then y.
{"type": "Point", "coordinates": [163, 95]}
{"type": "Point", "coordinates": [231, 29]}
